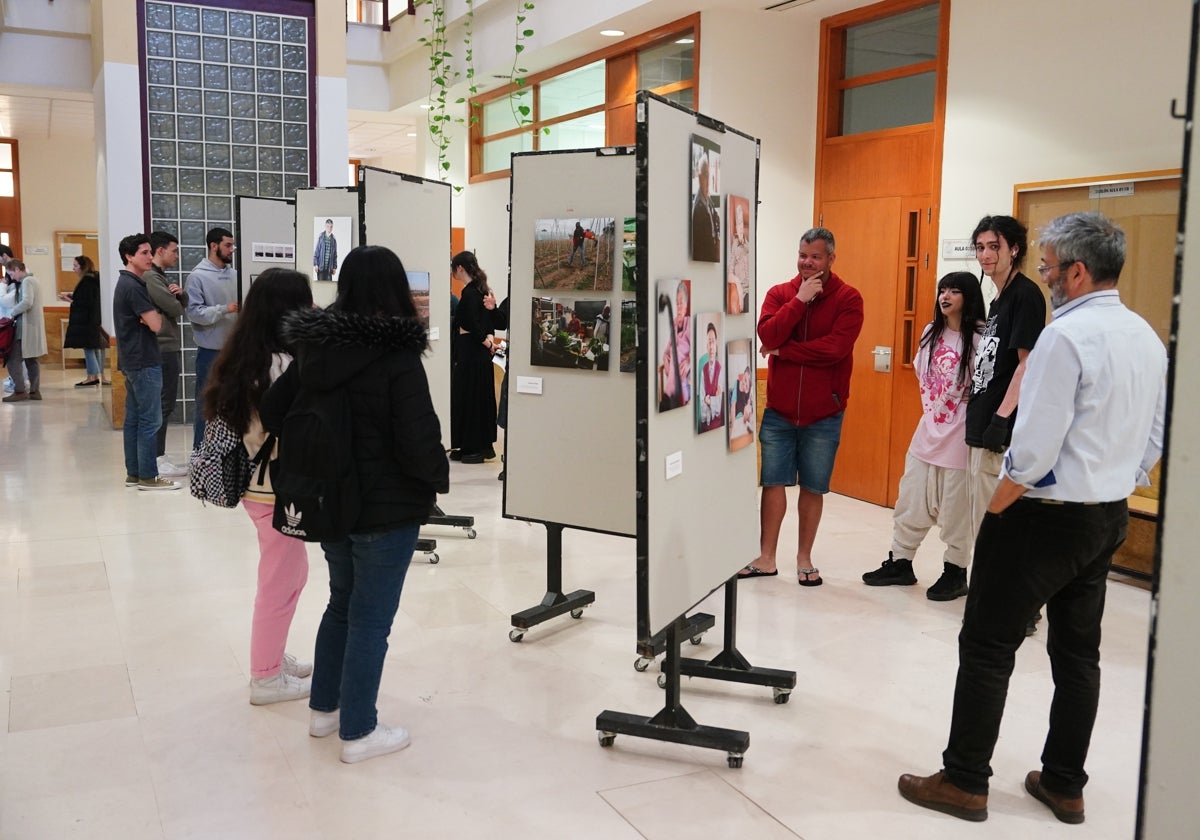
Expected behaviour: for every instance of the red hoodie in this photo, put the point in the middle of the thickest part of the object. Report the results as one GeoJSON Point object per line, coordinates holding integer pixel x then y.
{"type": "Point", "coordinates": [810, 378]}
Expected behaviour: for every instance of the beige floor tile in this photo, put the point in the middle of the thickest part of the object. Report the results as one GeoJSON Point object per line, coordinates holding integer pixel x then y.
{"type": "Point", "coordinates": [57, 580]}
{"type": "Point", "coordinates": [62, 698]}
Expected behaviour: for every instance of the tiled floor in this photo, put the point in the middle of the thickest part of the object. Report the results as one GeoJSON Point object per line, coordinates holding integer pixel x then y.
{"type": "Point", "coordinates": [124, 627]}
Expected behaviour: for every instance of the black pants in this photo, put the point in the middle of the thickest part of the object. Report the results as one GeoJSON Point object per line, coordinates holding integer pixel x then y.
{"type": "Point", "coordinates": [1029, 555]}
{"type": "Point", "coordinates": [170, 390]}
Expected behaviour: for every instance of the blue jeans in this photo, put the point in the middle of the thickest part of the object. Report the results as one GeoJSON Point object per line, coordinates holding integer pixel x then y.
{"type": "Point", "coordinates": [143, 416]}
{"type": "Point", "coordinates": [93, 359]}
{"type": "Point", "coordinates": [204, 360]}
{"type": "Point", "coordinates": [801, 455]}
{"type": "Point", "coordinates": [366, 574]}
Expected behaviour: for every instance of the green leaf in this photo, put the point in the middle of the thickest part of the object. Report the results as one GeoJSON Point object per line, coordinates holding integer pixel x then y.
{"type": "Point", "coordinates": [520, 48]}
{"type": "Point", "coordinates": [446, 165]}
{"type": "Point", "coordinates": [525, 110]}
{"type": "Point", "coordinates": [527, 33]}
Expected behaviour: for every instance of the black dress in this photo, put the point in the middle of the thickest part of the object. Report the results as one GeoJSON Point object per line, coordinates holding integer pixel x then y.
{"type": "Point", "coordinates": [472, 382]}
{"type": "Point", "coordinates": [83, 321]}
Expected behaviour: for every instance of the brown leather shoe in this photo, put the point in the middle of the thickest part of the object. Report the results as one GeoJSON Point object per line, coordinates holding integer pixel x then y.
{"type": "Point", "coordinates": [938, 793]}
{"type": "Point", "coordinates": [1068, 809]}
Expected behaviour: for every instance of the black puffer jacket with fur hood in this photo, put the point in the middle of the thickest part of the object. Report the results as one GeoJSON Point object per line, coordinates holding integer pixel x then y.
{"type": "Point", "coordinates": [397, 438]}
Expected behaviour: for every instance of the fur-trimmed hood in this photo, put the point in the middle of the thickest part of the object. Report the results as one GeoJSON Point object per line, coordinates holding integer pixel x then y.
{"type": "Point", "coordinates": [333, 346]}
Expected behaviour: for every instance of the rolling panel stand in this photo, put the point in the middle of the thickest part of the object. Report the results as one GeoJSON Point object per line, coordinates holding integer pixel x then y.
{"type": "Point", "coordinates": [440, 517]}
{"type": "Point", "coordinates": [673, 723]}
{"type": "Point", "coordinates": [429, 549]}
{"type": "Point", "coordinates": [554, 602]}
{"type": "Point", "coordinates": [730, 665]}
{"type": "Point", "coordinates": [693, 628]}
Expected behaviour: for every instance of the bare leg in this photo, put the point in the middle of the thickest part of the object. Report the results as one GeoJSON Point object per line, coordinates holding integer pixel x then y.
{"type": "Point", "coordinates": [809, 507]}
{"type": "Point", "coordinates": [770, 517]}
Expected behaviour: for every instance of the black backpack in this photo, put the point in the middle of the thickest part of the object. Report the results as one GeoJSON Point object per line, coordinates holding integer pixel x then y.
{"type": "Point", "coordinates": [314, 477]}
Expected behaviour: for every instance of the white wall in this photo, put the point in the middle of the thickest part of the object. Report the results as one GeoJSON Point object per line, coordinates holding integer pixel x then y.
{"type": "Point", "coordinates": [1064, 94]}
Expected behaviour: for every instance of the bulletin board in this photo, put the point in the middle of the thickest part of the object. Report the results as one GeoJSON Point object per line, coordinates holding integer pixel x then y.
{"type": "Point", "coordinates": [570, 440]}
{"type": "Point", "coordinates": [411, 216]}
{"type": "Point", "coordinates": [697, 501]}
{"type": "Point", "coordinates": [265, 230]}
{"type": "Point", "coordinates": [313, 206]}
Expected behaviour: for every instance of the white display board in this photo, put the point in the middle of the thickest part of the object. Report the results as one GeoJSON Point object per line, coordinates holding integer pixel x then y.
{"type": "Point", "coordinates": [313, 206]}
{"type": "Point", "coordinates": [411, 216]}
{"type": "Point", "coordinates": [265, 232]}
{"type": "Point", "coordinates": [697, 482]}
{"type": "Point", "coordinates": [570, 441]}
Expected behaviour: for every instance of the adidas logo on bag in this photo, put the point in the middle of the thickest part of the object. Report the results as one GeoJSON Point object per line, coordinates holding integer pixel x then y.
{"type": "Point", "coordinates": [291, 526]}
{"type": "Point", "coordinates": [293, 515]}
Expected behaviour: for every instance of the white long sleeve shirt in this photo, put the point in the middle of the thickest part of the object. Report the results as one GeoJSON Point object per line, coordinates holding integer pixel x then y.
{"type": "Point", "coordinates": [1092, 401]}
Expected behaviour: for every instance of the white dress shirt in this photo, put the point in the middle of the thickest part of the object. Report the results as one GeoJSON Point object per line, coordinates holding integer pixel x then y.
{"type": "Point", "coordinates": [1090, 426]}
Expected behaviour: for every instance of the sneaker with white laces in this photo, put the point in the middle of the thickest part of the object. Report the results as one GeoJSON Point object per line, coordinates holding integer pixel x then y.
{"type": "Point", "coordinates": [295, 667]}
{"type": "Point", "coordinates": [381, 741]}
{"type": "Point", "coordinates": [321, 724]}
{"type": "Point", "coordinates": [166, 468]}
{"type": "Point", "coordinates": [157, 483]}
{"type": "Point", "coordinates": [278, 688]}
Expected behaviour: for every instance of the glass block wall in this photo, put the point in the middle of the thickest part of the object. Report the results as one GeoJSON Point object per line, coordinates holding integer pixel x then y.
{"type": "Point", "coordinates": [228, 112]}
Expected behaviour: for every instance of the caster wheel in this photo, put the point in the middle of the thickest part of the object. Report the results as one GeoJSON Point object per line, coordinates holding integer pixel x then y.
{"type": "Point", "coordinates": [577, 613]}
{"type": "Point", "coordinates": [471, 533]}
{"type": "Point", "coordinates": [641, 664]}
{"type": "Point", "coordinates": [516, 635]}
{"type": "Point", "coordinates": [606, 738]}
{"type": "Point", "coordinates": [696, 639]}
{"type": "Point", "coordinates": [433, 559]}
{"type": "Point", "coordinates": [782, 695]}
{"type": "Point", "coordinates": [662, 680]}
{"type": "Point", "coordinates": [735, 761]}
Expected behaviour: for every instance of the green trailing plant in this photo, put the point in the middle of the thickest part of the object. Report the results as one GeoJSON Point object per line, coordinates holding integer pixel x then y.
{"type": "Point", "coordinates": [522, 112]}
{"type": "Point", "coordinates": [442, 76]}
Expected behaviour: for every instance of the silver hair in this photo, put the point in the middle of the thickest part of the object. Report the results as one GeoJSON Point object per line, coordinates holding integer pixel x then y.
{"type": "Point", "coordinates": [1090, 238]}
{"type": "Point", "coordinates": [818, 233]}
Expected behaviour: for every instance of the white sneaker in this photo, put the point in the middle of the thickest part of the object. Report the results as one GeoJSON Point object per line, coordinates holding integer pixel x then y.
{"type": "Point", "coordinates": [321, 724]}
{"type": "Point", "coordinates": [166, 468]}
{"type": "Point", "coordinates": [278, 689]}
{"type": "Point", "coordinates": [381, 741]}
{"type": "Point", "coordinates": [295, 667]}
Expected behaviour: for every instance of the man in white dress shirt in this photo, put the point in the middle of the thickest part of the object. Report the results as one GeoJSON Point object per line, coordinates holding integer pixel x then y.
{"type": "Point", "coordinates": [1089, 430]}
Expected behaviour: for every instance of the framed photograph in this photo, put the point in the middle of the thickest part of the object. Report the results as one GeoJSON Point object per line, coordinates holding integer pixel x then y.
{"type": "Point", "coordinates": [673, 355]}
{"type": "Point", "coordinates": [418, 284]}
{"type": "Point", "coordinates": [704, 200]}
{"type": "Point", "coordinates": [629, 255]}
{"type": "Point", "coordinates": [570, 334]}
{"type": "Point", "coordinates": [628, 336]}
{"type": "Point", "coordinates": [710, 372]}
{"type": "Point", "coordinates": [574, 255]}
{"type": "Point", "coordinates": [737, 255]}
{"type": "Point", "coordinates": [331, 235]}
{"type": "Point", "coordinates": [740, 411]}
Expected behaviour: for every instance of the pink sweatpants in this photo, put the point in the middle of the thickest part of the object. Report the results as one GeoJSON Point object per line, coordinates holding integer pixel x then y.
{"type": "Point", "coordinates": [282, 573]}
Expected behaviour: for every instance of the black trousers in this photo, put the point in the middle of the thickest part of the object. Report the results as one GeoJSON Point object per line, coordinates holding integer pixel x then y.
{"type": "Point", "coordinates": [170, 389]}
{"type": "Point", "coordinates": [1033, 554]}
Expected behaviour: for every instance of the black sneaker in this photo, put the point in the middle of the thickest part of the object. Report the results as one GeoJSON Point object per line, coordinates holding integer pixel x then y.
{"type": "Point", "coordinates": [952, 584]}
{"type": "Point", "coordinates": [893, 572]}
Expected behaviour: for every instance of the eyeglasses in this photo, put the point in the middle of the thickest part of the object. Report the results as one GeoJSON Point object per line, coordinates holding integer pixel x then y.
{"type": "Point", "coordinates": [1043, 270]}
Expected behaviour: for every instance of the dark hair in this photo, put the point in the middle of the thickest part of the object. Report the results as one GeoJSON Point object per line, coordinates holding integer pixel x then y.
{"type": "Point", "coordinates": [5, 251]}
{"type": "Point", "coordinates": [128, 246]}
{"type": "Point", "coordinates": [372, 281]}
{"type": "Point", "coordinates": [466, 260]}
{"type": "Point", "coordinates": [973, 318]}
{"type": "Point", "coordinates": [215, 236]}
{"type": "Point", "coordinates": [329, 221]}
{"type": "Point", "coordinates": [85, 262]}
{"type": "Point", "coordinates": [712, 328]}
{"type": "Point", "coordinates": [1008, 228]}
{"type": "Point", "coordinates": [819, 234]}
{"type": "Point", "coordinates": [242, 370]}
{"type": "Point", "coordinates": [16, 264]}
{"type": "Point", "coordinates": [161, 239]}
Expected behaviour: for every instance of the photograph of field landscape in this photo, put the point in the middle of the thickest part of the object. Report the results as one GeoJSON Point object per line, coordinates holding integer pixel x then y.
{"type": "Point", "coordinates": [574, 254]}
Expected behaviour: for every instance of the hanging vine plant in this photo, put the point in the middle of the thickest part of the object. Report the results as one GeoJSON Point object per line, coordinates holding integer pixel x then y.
{"type": "Point", "coordinates": [441, 76]}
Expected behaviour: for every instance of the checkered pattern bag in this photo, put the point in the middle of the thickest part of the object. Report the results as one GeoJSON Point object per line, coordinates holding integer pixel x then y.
{"type": "Point", "coordinates": [221, 467]}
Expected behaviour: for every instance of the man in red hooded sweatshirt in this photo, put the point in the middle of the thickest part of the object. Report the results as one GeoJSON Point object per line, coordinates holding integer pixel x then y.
{"type": "Point", "coordinates": [808, 327]}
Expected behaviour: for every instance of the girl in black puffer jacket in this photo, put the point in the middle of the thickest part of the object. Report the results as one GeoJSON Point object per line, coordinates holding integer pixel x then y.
{"type": "Point", "coordinates": [369, 343]}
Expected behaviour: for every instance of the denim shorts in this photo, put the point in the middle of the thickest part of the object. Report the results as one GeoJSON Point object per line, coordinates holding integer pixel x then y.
{"type": "Point", "coordinates": [801, 455]}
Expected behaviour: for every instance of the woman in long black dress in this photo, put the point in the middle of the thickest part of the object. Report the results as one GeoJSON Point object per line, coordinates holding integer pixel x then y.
{"type": "Point", "coordinates": [83, 325]}
{"type": "Point", "coordinates": [472, 382]}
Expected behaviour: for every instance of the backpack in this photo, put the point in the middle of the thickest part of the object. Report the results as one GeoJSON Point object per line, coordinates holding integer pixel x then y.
{"type": "Point", "coordinates": [314, 476]}
{"type": "Point", "coordinates": [221, 468]}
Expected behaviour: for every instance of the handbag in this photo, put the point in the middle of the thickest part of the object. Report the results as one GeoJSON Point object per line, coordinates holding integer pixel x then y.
{"type": "Point", "coordinates": [105, 338]}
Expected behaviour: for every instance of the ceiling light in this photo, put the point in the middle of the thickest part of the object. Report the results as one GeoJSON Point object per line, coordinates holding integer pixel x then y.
{"type": "Point", "coordinates": [686, 41]}
{"type": "Point", "coordinates": [412, 134]}
{"type": "Point", "coordinates": [612, 33]}
{"type": "Point", "coordinates": [425, 107]}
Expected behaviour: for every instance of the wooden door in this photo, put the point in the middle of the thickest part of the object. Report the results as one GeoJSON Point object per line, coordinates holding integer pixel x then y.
{"type": "Point", "coordinates": [66, 245]}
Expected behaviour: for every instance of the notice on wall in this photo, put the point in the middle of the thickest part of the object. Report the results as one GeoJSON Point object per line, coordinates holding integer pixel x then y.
{"type": "Point", "coordinates": [70, 249]}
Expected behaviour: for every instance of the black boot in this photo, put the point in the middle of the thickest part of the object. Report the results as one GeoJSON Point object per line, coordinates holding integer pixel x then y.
{"type": "Point", "coordinates": [893, 572]}
{"type": "Point", "coordinates": [952, 584]}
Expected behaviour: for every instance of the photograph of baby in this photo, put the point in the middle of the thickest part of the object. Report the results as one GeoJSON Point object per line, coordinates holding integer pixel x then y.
{"type": "Point", "coordinates": [737, 256]}
{"type": "Point", "coordinates": [705, 200]}
{"type": "Point", "coordinates": [739, 362]}
{"type": "Point", "coordinates": [673, 353]}
{"type": "Point", "coordinates": [710, 373]}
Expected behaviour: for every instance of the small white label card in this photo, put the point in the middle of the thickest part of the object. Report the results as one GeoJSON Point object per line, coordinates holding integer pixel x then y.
{"type": "Point", "coordinates": [674, 465]}
{"type": "Point", "coordinates": [529, 385]}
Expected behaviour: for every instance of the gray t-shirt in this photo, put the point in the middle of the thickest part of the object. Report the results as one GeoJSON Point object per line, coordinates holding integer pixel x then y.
{"type": "Point", "coordinates": [137, 348]}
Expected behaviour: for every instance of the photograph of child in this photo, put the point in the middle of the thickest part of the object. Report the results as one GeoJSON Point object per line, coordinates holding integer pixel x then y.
{"type": "Point", "coordinates": [739, 361]}
{"type": "Point", "coordinates": [710, 373]}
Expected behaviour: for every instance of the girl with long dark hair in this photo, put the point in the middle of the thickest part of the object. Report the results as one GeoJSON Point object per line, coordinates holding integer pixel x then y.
{"type": "Point", "coordinates": [472, 382]}
{"type": "Point", "coordinates": [253, 357]}
{"type": "Point", "coordinates": [936, 483]}
{"type": "Point", "coordinates": [83, 325]}
{"type": "Point", "coordinates": [368, 345]}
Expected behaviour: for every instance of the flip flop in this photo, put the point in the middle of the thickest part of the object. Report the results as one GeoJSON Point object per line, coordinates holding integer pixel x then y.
{"type": "Point", "coordinates": [753, 571]}
{"type": "Point", "coordinates": [809, 577]}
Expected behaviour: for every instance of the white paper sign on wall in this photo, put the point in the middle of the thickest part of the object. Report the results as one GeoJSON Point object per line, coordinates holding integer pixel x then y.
{"type": "Point", "coordinates": [1109, 190]}
{"type": "Point", "coordinates": [958, 249]}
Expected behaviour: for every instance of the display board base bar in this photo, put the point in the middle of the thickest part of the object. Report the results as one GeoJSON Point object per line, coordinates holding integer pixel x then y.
{"type": "Point", "coordinates": [440, 517]}
{"type": "Point", "coordinates": [722, 668]}
{"type": "Point", "coordinates": [694, 627]}
{"type": "Point", "coordinates": [553, 604]}
{"type": "Point", "coordinates": [661, 727]}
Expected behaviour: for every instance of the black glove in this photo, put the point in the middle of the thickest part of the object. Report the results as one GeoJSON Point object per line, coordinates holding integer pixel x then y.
{"type": "Point", "coordinates": [995, 435]}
